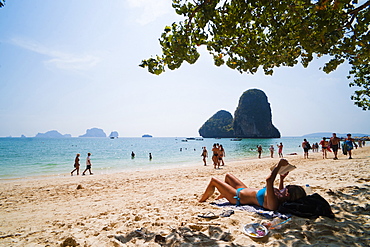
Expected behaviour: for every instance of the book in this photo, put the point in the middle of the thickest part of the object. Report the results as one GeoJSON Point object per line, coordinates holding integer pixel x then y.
{"type": "Point", "coordinates": [284, 169]}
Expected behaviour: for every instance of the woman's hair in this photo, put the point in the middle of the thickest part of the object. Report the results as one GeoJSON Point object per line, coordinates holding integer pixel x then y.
{"type": "Point", "coordinates": [295, 192]}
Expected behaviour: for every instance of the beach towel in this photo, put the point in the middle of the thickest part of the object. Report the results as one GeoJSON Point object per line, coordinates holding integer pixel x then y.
{"type": "Point", "coordinates": [311, 206]}
{"type": "Point", "coordinates": [223, 203]}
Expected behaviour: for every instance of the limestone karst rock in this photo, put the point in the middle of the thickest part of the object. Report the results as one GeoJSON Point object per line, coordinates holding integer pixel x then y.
{"type": "Point", "coordinates": [219, 125]}
{"type": "Point", "coordinates": [253, 119]}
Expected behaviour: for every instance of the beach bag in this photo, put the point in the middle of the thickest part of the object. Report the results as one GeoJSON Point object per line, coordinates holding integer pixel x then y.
{"type": "Point", "coordinates": [308, 146]}
{"type": "Point", "coordinates": [311, 206]}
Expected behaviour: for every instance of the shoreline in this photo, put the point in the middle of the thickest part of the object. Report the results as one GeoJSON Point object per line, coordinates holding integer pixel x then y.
{"type": "Point", "coordinates": [103, 210]}
{"type": "Point", "coordinates": [143, 169]}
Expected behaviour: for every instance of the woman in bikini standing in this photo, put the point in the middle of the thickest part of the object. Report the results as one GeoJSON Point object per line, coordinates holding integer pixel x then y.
{"type": "Point", "coordinates": [215, 160]}
{"type": "Point", "coordinates": [236, 192]}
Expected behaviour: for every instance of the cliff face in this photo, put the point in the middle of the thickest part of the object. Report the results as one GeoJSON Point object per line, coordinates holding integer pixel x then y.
{"type": "Point", "coordinates": [253, 117]}
{"type": "Point", "coordinates": [219, 125]}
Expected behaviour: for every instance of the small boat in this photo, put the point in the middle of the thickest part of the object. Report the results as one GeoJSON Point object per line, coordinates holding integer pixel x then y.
{"type": "Point", "coordinates": [184, 140]}
{"type": "Point", "coordinates": [190, 138]}
{"type": "Point", "coordinates": [199, 139]}
{"type": "Point", "coordinates": [236, 139]}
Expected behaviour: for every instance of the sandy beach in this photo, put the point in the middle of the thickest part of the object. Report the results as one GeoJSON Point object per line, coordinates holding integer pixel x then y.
{"type": "Point", "coordinates": [160, 208]}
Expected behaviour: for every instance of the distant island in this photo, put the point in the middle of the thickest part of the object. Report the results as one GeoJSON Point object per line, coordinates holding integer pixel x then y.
{"type": "Point", "coordinates": [94, 132]}
{"type": "Point", "coordinates": [146, 135]}
{"type": "Point", "coordinates": [51, 134]}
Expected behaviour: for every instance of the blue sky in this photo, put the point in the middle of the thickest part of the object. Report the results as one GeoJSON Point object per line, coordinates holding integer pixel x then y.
{"type": "Point", "coordinates": [71, 66]}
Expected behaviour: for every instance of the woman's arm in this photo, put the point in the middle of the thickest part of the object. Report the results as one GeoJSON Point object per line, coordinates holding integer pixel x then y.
{"type": "Point", "coordinates": [272, 201]}
{"type": "Point", "coordinates": [282, 177]}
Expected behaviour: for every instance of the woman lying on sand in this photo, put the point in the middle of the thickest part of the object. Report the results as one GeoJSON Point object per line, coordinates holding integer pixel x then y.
{"type": "Point", "coordinates": [269, 197]}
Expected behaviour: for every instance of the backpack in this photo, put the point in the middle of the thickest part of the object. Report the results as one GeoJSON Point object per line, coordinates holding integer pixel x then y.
{"type": "Point", "coordinates": [311, 206]}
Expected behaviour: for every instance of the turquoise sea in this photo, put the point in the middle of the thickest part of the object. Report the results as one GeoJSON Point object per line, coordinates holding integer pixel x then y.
{"type": "Point", "coordinates": [37, 157]}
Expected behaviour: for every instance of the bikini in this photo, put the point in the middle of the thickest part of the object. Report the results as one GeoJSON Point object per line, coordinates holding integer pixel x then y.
{"type": "Point", "coordinates": [260, 196]}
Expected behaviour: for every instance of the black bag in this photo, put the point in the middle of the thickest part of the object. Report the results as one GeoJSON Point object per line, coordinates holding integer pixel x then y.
{"type": "Point", "coordinates": [311, 206]}
{"type": "Point", "coordinates": [308, 146]}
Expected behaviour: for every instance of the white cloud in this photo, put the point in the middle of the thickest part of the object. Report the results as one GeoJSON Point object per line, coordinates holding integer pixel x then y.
{"type": "Point", "coordinates": [150, 9]}
{"type": "Point", "coordinates": [58, 59]}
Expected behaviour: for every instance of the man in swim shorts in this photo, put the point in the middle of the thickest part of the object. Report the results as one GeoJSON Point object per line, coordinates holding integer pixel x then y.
{"type": "Point", "coordinates": [334, 144]}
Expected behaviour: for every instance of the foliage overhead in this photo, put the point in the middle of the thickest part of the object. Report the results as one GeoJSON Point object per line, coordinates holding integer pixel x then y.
{"type": "Point", "coordinates": [248, 35]}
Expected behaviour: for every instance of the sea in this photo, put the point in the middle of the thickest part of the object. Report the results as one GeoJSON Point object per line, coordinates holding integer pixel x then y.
{"type": "Point", "coordinates": [27, 158]}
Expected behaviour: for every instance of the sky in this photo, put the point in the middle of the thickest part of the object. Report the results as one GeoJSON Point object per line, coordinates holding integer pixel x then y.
{"type": "Point", "coordinates": [73, 65]}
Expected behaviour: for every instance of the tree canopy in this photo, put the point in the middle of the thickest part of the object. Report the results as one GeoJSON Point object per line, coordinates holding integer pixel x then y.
{"type": "Point", "coordinates": [248, 35]}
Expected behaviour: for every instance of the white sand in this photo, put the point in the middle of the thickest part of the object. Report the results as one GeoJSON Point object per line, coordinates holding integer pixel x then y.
{"type": "Point", "coordinates": [108, 209]}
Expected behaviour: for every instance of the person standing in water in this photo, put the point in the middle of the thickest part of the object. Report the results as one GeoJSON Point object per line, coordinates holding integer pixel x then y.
{"type": "Point", "coordinates": [88, 164]}
{"type": "Point", "coordinates": [280, 149]}
{"type": "Point", "coordinates": [259, 150]}
{"type": "Point", "coordinates": [76, 165]}
{"type": "Point", "coordinates": [272, 150]}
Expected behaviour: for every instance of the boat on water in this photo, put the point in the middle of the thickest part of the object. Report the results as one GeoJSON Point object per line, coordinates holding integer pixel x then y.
{"type": "Point", "coordinates": [236, 139]}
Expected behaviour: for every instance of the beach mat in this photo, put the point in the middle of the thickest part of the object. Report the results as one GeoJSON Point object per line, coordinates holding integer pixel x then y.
{"type": "Point", "coordinates": [223, 203]}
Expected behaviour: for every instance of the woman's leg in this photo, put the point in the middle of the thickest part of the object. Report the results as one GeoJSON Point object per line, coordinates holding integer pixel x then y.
{"type": "Point", "coordinates": [234, 182]}
{"type": "Point", "coordinates": [225, 189]}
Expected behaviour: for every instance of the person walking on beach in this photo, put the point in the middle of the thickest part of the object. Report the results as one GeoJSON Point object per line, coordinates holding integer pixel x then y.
{"type": "Point", "coordinates": [221, 155]}
{"type": "Point", "coordinates": [76, 165]}
{"type": "Point", "coordinates": [280, 150]}
{"type": "Point", "coordinates": [306, 146]}
{"type": "Point", "coordinates": [334, 144]}
{"type": "Point", "coordinates": [350, 142]}
{"type": "Point", "coordinates": [272, 150]}
{"type": "Point", "coordinates": [324, 146]}
{"type": "Point", "coordinates": [259, 150]}
{"type": "Point", "coordinates": [88, 164]}
{"type": "Point", "coordinates": [204, 155]}
{"type": "Point", "coordinates": [150, 156]}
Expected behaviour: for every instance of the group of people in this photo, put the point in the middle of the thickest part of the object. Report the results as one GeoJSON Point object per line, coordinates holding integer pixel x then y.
{"type": "Point", "coordinates": [333, 145]}
{"type": "Point", "coordinates": [77, 165]}
{"type": "Point", "coordinates": [272, 150]}
{"type": "Point", "coordinates": [218, 154]}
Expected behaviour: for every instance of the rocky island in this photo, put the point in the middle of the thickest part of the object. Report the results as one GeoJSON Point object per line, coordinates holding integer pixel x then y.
{"type": "Point", "coordinates": [94, 132]}
{"type": "Point", "coordinates": [253, 119]}
{"type": "Point", "coordinates": [51, 134]}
